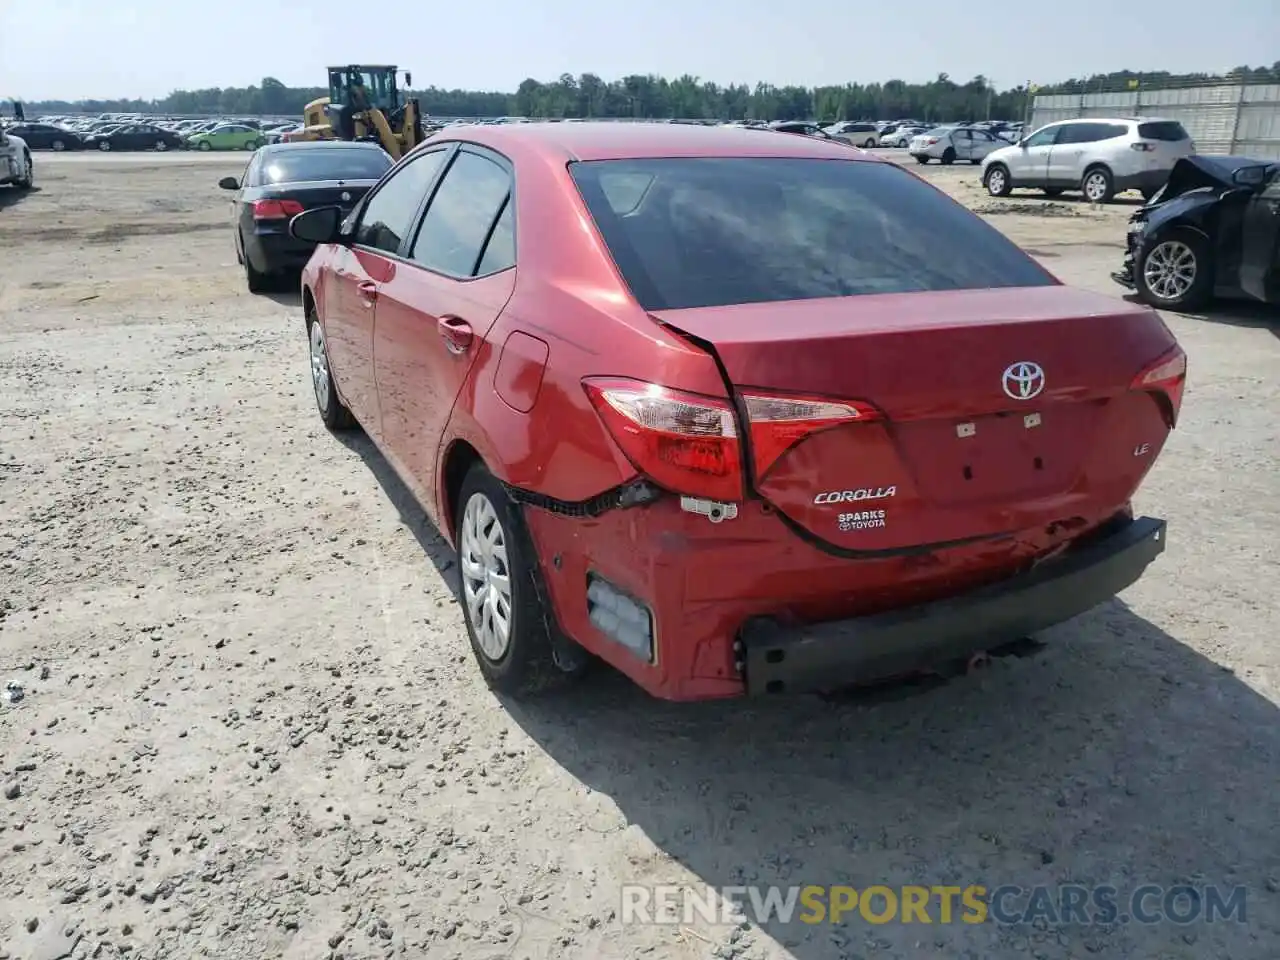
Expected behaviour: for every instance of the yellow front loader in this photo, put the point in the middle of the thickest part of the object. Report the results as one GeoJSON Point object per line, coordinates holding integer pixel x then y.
{"type": "Point", "coordinates": [364, 103]}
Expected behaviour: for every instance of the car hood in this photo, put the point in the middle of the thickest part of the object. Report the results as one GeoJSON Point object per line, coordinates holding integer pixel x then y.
{"type": "Point", "coordinates": [1000, 153]}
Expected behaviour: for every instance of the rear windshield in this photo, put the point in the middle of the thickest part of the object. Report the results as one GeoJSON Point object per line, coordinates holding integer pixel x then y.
{"type": "Point", "coordinates": [311, 163]}
{"type": "Point", "coordinates": [713, 232]}
{"type": "Point", "coordinates": [1162, 130]}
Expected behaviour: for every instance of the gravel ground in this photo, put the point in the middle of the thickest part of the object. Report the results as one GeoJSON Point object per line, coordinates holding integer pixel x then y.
{"type": "Point", "coordinates": [252, 727]}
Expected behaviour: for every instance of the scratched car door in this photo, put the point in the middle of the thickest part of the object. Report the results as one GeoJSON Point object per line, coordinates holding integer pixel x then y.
{"type": "Point", "coordinates": [435, 314]}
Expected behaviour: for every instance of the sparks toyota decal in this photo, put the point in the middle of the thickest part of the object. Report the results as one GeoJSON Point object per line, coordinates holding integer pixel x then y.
{"type": "Point", "coordinates": [848, 496]}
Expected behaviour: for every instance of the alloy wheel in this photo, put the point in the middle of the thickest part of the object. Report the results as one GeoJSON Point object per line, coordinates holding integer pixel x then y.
{"type": "Point", "coordinates": [1095, 187]}
{"type": "Point", "coordinates": [486, 577]}
{"type": "Point", "coordinates": [1170, 270]}
{"type": "Point", "coordinates": [995, 181]}
{"type": "Point", "coordinates": [319, 367]}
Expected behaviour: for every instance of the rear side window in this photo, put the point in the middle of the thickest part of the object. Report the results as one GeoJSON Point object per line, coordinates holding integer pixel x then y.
{"type": "Point", "coordinates": [1170, 130]}
{"type": "Point", "coordinates": [321, 163]}
{"type": "Point", "coordinates": [712, 232]}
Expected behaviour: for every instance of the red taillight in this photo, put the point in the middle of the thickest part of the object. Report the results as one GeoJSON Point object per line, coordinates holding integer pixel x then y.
{"type": "Point", "coordinates": [275, 209]}
{"type": "Point", "coordinates": [931, 141]}
{"type": "Point", "coordinates": [779, 423]}
{"type": "Point", "coordinates": [1142, 147]}
{"type": "Point", "coordinates": [1167, 377]}
{"type": "Point", "coordinates": [684, 442]}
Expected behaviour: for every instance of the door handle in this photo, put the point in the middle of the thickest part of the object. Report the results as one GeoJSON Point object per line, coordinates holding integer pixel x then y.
{"type": "Point", "coordinates": [368, 292]}
{"type": "Point", "coordinates": [456, 333]}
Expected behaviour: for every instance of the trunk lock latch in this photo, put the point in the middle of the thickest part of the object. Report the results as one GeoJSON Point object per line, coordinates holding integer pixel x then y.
{"type": "Point", "coordinates": [713, 510]}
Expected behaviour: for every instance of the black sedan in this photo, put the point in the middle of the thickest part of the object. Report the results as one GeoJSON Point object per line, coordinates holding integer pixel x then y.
{"type": "Point", "coordinates": [1213, 230]}
{"type": "Point", "coordinates": [134, 136]}
{"type": "Point", "coordinates": [46, 136]}
{"type": "Point", "coordinates": [282, 180]}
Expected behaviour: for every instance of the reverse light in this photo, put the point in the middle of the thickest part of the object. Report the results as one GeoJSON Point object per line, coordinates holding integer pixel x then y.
{"type": "Point", "coordinates": [271, 209]}
{"type": "Point", "coordinates": [779, 423]}
{"type": "Point", "coordinates": [685, 442]}
{"type": "Point", "coordinates": [1167, 377]}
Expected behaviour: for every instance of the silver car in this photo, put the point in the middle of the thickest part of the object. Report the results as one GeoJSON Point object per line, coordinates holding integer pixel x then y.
{"type": "Point", "coordinates": [951, 143]}
{"type": "Point", "coordinates": [1098, 156]}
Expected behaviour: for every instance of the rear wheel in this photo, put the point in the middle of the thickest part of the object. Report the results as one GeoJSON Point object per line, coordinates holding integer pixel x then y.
{"type": "Point", "coordinates": [28, 179]}
{"type": "Point", "coordinates": [921, 158]}
{"type": "Point", "coordinates": [1174, 272]}
{"type": "Point", "coordinates": [255, 279]}
{"type": "Point", "coordinates": [104, 145]}
{"type": "Point", "coordinates": [502, 597]}
{"type": "Point", "coordinates": [332, 411]}
{"type": "Point", "coordinates": [206, 145]}
{"type": "Point", "coordinates": [1097, 185]}
{"type": "Point", "coordinates": [869, 144]}
{"type": "Point", "coordinates": [998, 182]}
{"type": "Point", "coordinates": [58, 146]}
{"type": "Point", "coordinates": [162, 146]}
{"type": "Point", "coordinates": [948, 156]}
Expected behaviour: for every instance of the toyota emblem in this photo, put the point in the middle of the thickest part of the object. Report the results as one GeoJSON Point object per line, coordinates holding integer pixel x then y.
{"type": "Point", "coordinates": [345, 196]}
{"type": "Point", "coordinates": [1023, 380]}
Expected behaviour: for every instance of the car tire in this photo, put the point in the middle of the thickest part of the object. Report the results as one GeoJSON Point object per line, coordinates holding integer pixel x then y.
{"type": "Point", "coordinates": [255, 279]}
{"type": "Point", "coordinates": [997, 180]}
{"type": "Point", "coordinates": [869, 144]}
{"type": "Point", "coordinates": [1097, 185]}
{"type": "Point", "coordinates": [28, 181]}
{"type": "Point", "coordinates": [161, 146]}
{"type": "Point", "coordinates": [332, 410]}
{"type": "Point", "coordinates": [205, 145]}
{"type": "Point", "coordinates": [57, 146]}
{"type": "Point", "coordinates": [524, 661]}
{"type": "Point", "coordinates": [1175, 288]}
{"type": "Point", "coordinates": [104, 145]}
{"type": "Point", "coordinates": [948, 156]}
{"type": "Point", "coordinates": [921, 158]}
{"type": "Point", "coordinates": [1052, 191]}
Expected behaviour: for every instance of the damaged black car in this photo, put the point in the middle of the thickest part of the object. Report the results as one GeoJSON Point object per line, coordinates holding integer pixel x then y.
{"type": "Point", "coordinates": [1213, 230]}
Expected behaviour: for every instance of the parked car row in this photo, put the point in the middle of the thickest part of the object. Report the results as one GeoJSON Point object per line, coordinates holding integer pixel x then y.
{"type": "Point", "coordinates": [122, 132]}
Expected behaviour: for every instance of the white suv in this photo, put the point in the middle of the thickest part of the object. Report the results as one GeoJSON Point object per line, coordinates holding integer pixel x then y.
{"type": "Point", "coordinates": [1097, 156]}
{"type": "Point", "coordinates": [15, 162]}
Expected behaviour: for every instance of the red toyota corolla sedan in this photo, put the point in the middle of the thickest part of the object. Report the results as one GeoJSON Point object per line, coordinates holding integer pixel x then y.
{"type": "Point", "coordinates": [732, 411]}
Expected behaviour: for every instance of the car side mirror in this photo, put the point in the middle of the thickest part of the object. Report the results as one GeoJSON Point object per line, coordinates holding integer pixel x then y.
{"type": "Point", "coordinates": [229, 183]}
{"type": "Point", "coordinates": [1249, 176]}
{"type": "Point", "coordinates": [318, 225]}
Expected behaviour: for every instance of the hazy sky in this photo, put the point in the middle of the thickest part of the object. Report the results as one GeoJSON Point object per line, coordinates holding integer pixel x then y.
{"type": "Point", "coordinates": [71, 49]}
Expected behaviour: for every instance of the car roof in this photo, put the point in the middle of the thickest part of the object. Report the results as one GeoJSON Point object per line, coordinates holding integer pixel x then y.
{"type": "Point", "coordinates": [319, 145]}
{"type": "Point", "coordinates": [1057, 123]}
{"type": "Point", "coordinates": [566, 142]}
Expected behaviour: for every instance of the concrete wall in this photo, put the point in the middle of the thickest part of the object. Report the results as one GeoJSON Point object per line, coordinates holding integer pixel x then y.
{"type": "Point", "coordinates": [1223, 119]}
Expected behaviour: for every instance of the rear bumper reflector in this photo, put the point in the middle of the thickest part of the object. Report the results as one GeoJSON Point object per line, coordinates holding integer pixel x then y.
{"type": "Point", "coordinates": [823, 656]}
{"type": "Point", "coordinates": [620, 617]}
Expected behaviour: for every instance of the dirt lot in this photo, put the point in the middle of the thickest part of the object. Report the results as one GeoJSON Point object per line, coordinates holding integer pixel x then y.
{"type": "Point", "coordinates": [252, 728]}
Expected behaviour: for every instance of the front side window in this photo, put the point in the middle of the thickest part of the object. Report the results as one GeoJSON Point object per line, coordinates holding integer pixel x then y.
{"type": "Point", "coordinates": [462, 215]}
{"type": "Point", "coordinates": [713, 232]}
{"type": "Point", "coordinates": [387, 217]}
{"type": "Point", "coordinates": [1043, 137]}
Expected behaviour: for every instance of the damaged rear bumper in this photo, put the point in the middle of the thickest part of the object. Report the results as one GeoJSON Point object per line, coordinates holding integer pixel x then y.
{"type": "Point", "coordinates": [823, 656]}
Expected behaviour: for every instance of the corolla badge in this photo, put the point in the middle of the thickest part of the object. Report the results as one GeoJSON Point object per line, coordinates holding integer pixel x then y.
{"type": "Point", "coordinates": [1023, 380]}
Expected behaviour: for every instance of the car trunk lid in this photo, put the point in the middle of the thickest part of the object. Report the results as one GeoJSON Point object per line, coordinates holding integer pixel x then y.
{"type": "Point", "coordinates": [983, 411]}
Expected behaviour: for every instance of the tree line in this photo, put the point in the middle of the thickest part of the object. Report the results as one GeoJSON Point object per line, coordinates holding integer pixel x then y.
{"type": "Point", "coordinates": [686, 97]}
